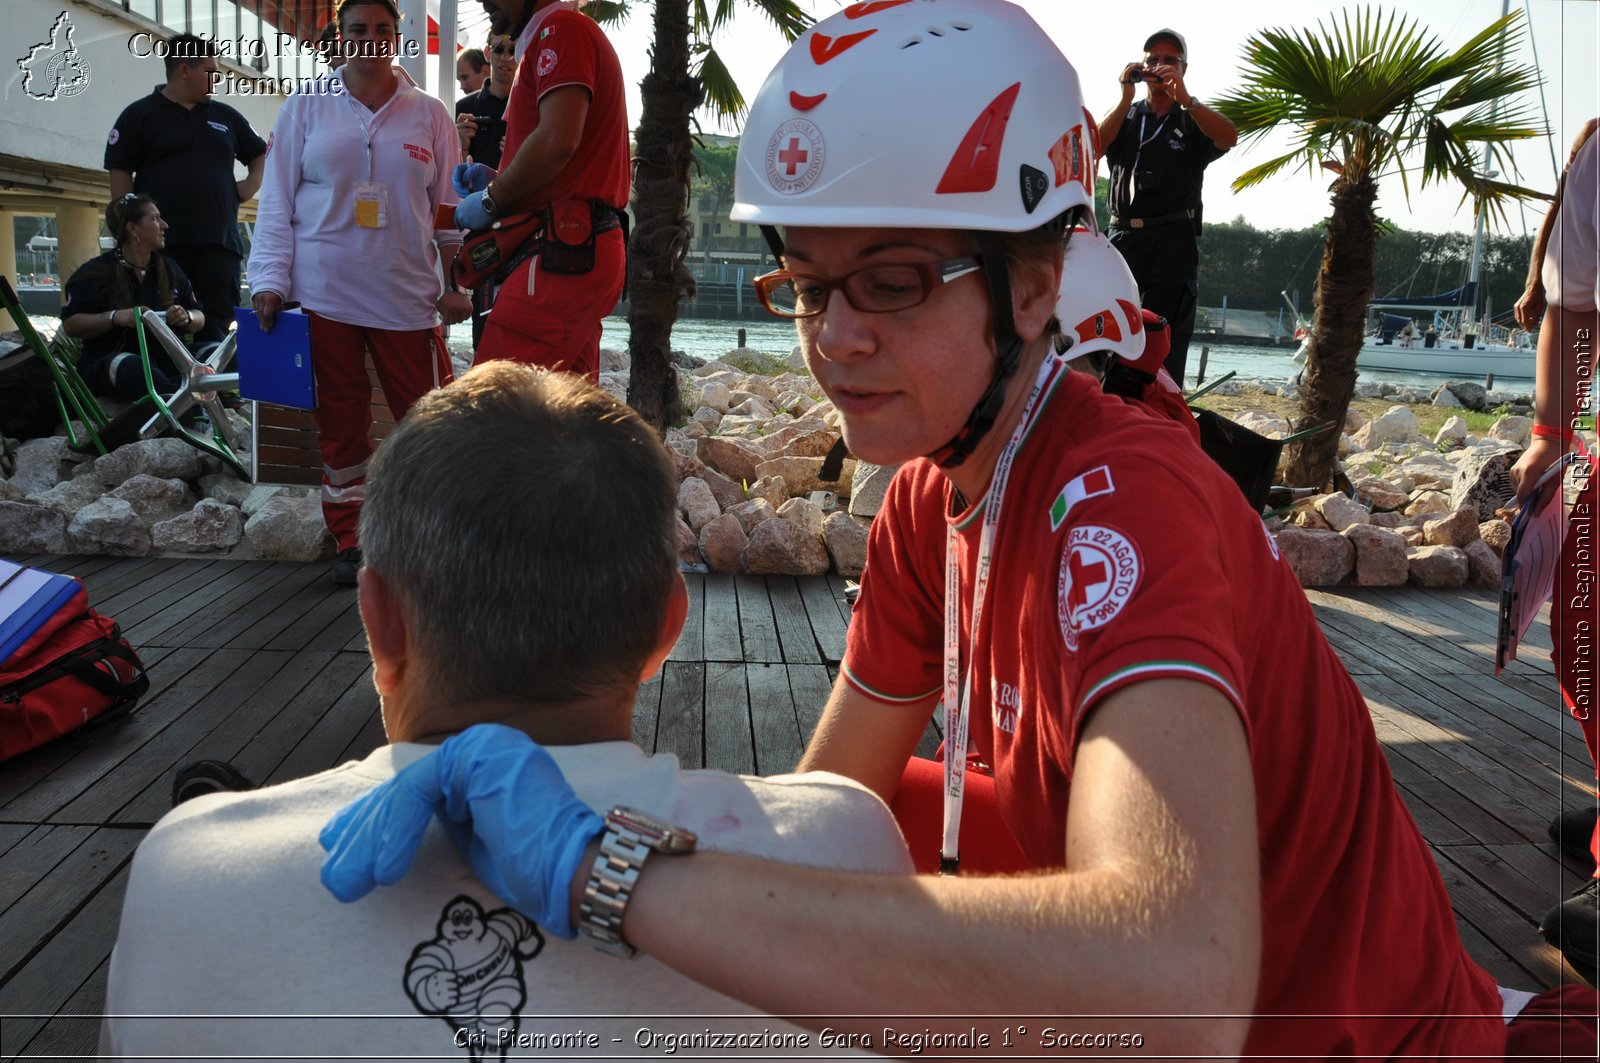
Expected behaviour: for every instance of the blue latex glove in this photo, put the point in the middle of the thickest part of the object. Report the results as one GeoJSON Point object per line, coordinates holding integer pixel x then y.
{"type": "Point", "coordinates": [502, 799]}
{"type": "Point", "coordinates": [470, 177]}
{"type": "Point", "coordinates": [471, 215]}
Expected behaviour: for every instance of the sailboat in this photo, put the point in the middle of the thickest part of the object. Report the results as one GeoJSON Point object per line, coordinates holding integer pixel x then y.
{"type": "Point", "coordinates": [1445, 343]}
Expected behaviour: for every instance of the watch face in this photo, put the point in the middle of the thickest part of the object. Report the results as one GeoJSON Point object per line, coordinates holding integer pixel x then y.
{"type": "Point", "coordinates": [660, 836]}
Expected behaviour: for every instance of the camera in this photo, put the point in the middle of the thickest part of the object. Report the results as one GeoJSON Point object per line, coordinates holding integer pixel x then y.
{"type": "Point", "coordinates": [1142, 73]}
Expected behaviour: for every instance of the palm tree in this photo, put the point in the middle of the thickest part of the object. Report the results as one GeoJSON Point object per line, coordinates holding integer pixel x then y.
{"type": "Point", "coordinates": [1367, 96]}
{"type": "Point", "coordinates": [685, 74]}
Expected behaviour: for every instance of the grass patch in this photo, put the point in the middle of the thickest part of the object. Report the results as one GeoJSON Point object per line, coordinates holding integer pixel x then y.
{"type": "Point", "coordinates": [748, 361]}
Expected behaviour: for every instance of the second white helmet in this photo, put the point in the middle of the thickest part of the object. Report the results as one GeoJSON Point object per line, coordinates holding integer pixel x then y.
{"type": "Point", "coordinates": [1099, 302]}
{"type": "Point", "coordinates": [949, 114]}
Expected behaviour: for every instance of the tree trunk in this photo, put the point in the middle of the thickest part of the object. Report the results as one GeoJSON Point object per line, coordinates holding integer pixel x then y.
{"type": "Point", "coordinates": [1344, 287]}
{"type": "Point", "coordinates": [657, 276]}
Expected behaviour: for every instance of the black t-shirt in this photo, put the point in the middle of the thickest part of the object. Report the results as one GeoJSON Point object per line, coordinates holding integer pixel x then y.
{"type": "Point", "coordinates": [1157, 164]}
{"type": "Point", "coordinates": [89, 292]}
{"type": "Point", "coordinates": [489, 109]}
{"type": "Point", "coordinates": [183, 157]}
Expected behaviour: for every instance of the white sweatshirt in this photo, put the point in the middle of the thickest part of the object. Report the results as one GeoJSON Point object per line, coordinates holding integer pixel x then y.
{"type": "Point", "coordinates": [308, 247]}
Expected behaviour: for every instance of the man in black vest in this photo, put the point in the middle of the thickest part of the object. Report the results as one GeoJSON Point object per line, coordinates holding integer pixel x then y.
{"type": "Point", "coordinates": [1157, 151]}
{"type": "Point", "coordinates": [178, 146]}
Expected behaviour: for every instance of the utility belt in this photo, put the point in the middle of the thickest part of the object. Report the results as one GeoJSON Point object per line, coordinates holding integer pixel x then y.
{"type": "Point", "coordinates": [562, 235]}
{"type": "Point", "coordinates": [1159, 219]}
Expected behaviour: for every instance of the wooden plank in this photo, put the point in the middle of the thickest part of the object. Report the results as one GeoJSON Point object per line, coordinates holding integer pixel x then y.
{"type": "Point", "coordinates": [174, 587]}
{"type": "Point", "coordinates": [294, 598]}
{"type": "Point", "coordinates": [646, 711]}
{"type": "Point", "coordinates": [102, 751]}
{"type": "Point", "coordinates": [828, 626]}
{"type": "Point", "coordinates": [691, 644]}
{"type": "Point", "coordinates": [53, 975]}
{"type": "Point", "coordinates": [721, 640]}
{"type": "Point", "coordinates": [224, 578]}
{"type": "Point", "coordinates": [341, 632]}
{"type": "Point", "coordinates": [809, 685]}
{"type": "Point", "coordinates": [31, 858]}
{"type": "Point", "coordinates": [74, 1034]}
{"type": "Point", "coordinates": [681, 728]}
{"type": "Point", "coordinates": [10, 835]}
{"type": "Point", "coordinates": [838, 585]}
{"type": "Point", "coordinates": [61, 888]}
{"type": "Point", "coordinates": [730, 741]}
{"type": "Point", "coordinates": [777, 731]}
{"type": "Point", "coordinates": [337, 730]}
{"type": "Point", "coordinates": [259, 734]}
{"type": "Point", "coordinates": [165, 750]}
{"type": "Point", "coordinates": [758, 633]}
{"type": "Point", "coordinates": [131, 584]}
{"type": "Point", "coordinates": [239, 624]}
{"type": "Point", "coordinates": [199, 628]}
{"type": "Point", "coordinates": [1513, 932]}
{"type": "Point", "coordinates": [799, 645]}
{"type": "Point", "coordinates": [368, 738]}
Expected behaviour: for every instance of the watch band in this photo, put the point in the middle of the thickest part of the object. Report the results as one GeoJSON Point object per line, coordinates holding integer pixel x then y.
{"type": "Point", "coordinates": [630, 837]}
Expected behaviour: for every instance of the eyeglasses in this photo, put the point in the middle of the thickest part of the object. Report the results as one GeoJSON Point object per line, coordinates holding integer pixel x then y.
{"type": "Point", "coordinates": [1163, 60]}
{"type": "Point", "coordinates": [509, 49]}
{"type": "Point", "coordinates": [880, 289]}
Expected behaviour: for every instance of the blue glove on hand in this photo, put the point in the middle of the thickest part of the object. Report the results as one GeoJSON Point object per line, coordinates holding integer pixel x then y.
{"type": "Point", "coordinates": [502, 799]}
{"type": "Point", "coordinates": [470, 177]}
{"type": "Point", "coordinates": [471, 215]}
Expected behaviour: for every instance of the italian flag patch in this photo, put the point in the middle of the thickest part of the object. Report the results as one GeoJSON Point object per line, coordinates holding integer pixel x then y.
{"type": "Point", "coordinates": [1095, 482]}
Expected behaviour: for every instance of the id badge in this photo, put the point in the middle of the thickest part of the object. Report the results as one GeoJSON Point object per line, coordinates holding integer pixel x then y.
{"type": "Point", "coordinates": [372, 205]}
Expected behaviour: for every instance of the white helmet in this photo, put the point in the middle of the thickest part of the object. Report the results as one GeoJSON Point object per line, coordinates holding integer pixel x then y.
{"type": "Point", "coordinates": [945, 114]}
{"type": "Point", "coordinates": [1099, 303]}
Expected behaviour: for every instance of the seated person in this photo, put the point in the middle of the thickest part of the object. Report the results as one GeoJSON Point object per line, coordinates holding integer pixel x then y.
{"type": "Point", "coordinates": [468, 623]}
{"type": "Point", "coordinates": [105, 294]}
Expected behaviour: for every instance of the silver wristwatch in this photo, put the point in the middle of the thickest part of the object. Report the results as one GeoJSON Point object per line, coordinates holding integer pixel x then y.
{"type": "Point", "coordinates": [630, 837]}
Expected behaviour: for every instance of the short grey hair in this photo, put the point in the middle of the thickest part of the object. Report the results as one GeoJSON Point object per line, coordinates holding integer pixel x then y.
{"type": "Point", "coordinates": [525, 521]}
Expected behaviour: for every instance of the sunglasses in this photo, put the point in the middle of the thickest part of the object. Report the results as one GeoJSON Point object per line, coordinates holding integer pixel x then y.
{"type": "Point", "coordinates": [509, 49]}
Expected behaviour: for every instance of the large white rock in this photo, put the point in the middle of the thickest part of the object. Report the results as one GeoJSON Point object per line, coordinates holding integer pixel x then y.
{"type": "Point", "coordinates": [1443, 396]}
{"type": "Point", "coordinates": [1497, 533]}
{"type": "Point", "coordinates": [1483, 481]}
{"type": "Point", "coordinates": [722, 543]}
{"type": "Point", "coordinates": [261, 494]}
{"type": "Point", "coordinates": [1341, 512]}
{"type": "Point", "coordinates": [770, 488]}
{"type": "Point", "coordinates": [1262, 423]}
{"type": "Point", "coordinates": [697, 504]}
{"type": "Point", "coordinates": [803, 439]}
{"type": "Point", "coordinates": [38, 465]}
{"type": "Point", "coordinates": [109, 526]}
{"type": "Point", "coordinates": [1513, 429]}
{"type": "Point", "coordinates": [754, 512]}
{"type": "Point", "coordinates": [715, 396]}
{"type": "Point", "coordinates": [783, 548]}
{"type": "Point", "coordinates": [867, 486]}
{"type": "Point", "coordinates": [225, 488]}
{"type": "Point", "coordinates": [734, 458]}
{"type": "Point", "coordinates": [1483, 564]}
{"type": "Point", "coordinates": [210, 525]}
{"type": "Point", "coordinates": [1438, 566]}
{"type": "Point", "coordinates": [1452, 433]}
{"type": "Point", "coordinates": [10, 492]}
{"type": "Point", "coordinates": [1396, 425]}
{"type": "Point", "coordinates": [1380, 556]}
{"type": "Point", "coordinates": [154, 498]}
{"type": "Point", "coordinates": [802, 475]}
{"type": "Point", "coordinates": [1382, 494]}
{"type": "Point", "coordinates": [1425, 503]}
{"type": "Point", "coordinates": [165, 457]}
{"type": "Point", "coordinates": [26, 529]}
{"type": "Point", "coordinates": [289, 528]}
{"type": "Point", "coordinates": [707, 418]}
{"type": "Point", "coordinates": [1456, 529]}
{"type": "Point", "coordinates": [688, 544]}
{"type": "Point", "coordinates": [805, 513]}
{"type": "Point", "coordinates": [69, 496]}
{"type": "Point", "coordinates": [846, 539]}
{"type": "Point", "coordinates": [1318, 558]}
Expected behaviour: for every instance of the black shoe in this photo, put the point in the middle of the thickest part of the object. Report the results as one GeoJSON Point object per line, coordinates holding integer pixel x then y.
{"type": "Point", "coordinates": [345, 569]}
{"type": "Point", "coordinates": [1572, 832]}
{"type": "Point", "coordinates": [207, 777]}
{"type": "Point", "coordinates": [1574, 927]}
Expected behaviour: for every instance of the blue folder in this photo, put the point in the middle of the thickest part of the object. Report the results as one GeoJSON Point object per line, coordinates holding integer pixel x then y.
{"type": "Point", "coordinates": [28, 598]}
{"type": "Point", "coordinates": [275, 366]}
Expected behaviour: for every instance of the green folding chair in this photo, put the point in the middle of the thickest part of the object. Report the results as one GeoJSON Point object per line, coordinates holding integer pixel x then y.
{"type": "Point", "coordinates": [74, 402]}
{"type": "Point", "coordinates": [200, 380]}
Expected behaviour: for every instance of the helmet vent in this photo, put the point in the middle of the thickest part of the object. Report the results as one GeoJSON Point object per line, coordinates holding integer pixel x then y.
{"type": "Point", "coordinates": [935, 31]}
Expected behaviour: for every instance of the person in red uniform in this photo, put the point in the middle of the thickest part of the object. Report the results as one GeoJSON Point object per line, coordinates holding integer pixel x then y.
{"type": "Point", "coordinates": [1220, 861]}
{"type": "Point", "coordinates": [566, 151]}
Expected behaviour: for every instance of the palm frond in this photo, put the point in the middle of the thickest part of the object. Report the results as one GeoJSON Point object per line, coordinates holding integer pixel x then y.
{"type": "Point", "coordinates": [785, 15]}
{"type": "Point", "coordinates": [1257, 174]}
{"type": "Point", "coordinates": [608, 12]}
{"type": "Point", "coordinates": [722, 92]}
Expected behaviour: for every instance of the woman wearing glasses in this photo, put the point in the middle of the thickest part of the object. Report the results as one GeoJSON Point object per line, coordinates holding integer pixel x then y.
{"type": "Point", "coordinates": [105, 294]}
{"type": "Point", "coordinates": [1091, 600]}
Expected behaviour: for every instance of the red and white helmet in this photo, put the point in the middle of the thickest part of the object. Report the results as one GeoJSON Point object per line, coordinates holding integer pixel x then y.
{"type": "Point", "coordinates": [945, 114]}
{"type": "Point", "coordinates": [1099, 303]}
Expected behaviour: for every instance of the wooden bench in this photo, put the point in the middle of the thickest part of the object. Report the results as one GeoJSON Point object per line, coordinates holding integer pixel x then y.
{"type": "Point", "coordinates": [283, 449]}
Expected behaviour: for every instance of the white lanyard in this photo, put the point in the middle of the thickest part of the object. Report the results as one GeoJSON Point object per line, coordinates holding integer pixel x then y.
{"type": "Point", "coordinates": [958, 688]}
{"type": "Point", "coordinates": [1138, 152]}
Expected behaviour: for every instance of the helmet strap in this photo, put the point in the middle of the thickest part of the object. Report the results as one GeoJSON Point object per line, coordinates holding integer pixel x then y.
{"type": "Point", "coordinates": [1008, 347]}
{"type": "Point", "coordinates": [774, 241]}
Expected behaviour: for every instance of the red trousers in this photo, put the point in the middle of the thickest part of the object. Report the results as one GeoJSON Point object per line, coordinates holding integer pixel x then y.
{"type": "Point", "coordinates": [986, 844]}
{"type": "Point", "coordinates": [409, 365]}
{"type": "Point", "coordinates": [1575, 622]}
{"type": "Point", "coordinates": [553, 319]}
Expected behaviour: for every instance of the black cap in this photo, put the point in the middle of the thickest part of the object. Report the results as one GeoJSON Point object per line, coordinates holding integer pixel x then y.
{"type": "Point", "coordinates": [1168, 35]}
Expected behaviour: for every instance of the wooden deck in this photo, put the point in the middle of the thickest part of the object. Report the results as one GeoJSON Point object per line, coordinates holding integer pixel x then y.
{"type": "Point", "coordinates": [264, 665]}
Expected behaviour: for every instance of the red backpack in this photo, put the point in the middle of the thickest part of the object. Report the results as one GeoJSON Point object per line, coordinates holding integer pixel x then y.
{"type": "Point", "coordinates": [75, 669]}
